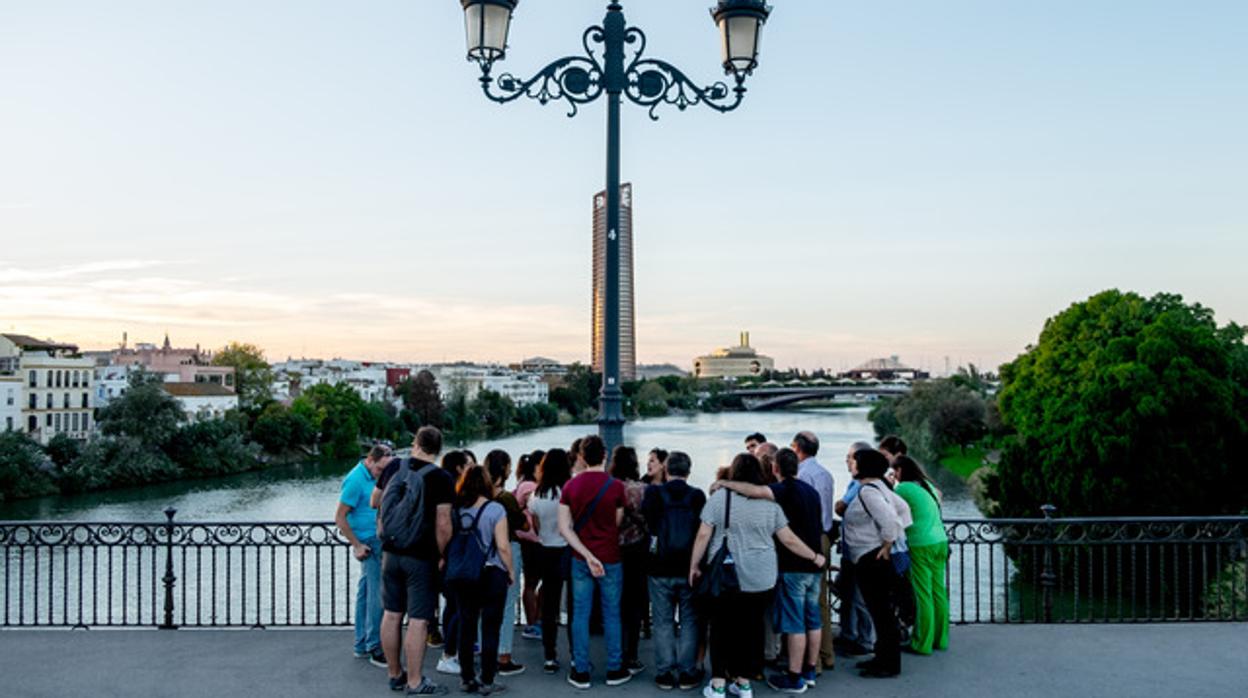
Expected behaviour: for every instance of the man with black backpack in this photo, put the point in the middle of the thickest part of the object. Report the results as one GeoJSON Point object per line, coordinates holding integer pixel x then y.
{"type": "Point", "coordinates": [672, 511]}
{"type": "Point", "coordinates": [414, 525]}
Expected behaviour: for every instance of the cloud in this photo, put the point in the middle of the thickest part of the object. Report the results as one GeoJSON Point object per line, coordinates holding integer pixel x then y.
{"type": "Point", "coordinates": [11, 274]}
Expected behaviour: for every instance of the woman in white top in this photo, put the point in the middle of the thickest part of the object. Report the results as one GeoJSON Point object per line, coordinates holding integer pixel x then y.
{"type": "Point", "coordinates": [552, 474]}
{"type": "Point", "coordinates": [873, 522]}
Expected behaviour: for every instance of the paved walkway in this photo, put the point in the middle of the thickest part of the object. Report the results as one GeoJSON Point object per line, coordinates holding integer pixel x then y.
{"type": "Point", "coordinates": [1108, 660]}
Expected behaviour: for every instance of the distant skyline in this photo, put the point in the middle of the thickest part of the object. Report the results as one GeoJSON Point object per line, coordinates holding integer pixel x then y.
{"type": "Point", "coordinates": [324, 178]}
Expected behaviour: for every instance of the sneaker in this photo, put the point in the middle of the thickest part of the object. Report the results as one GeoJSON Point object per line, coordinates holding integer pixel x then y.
{"type": "Point", "coordinates": [810, 676]}
{"type": "Point", "coordinates": [688, 682]}
{"type": "Point", "coordinates": [492, 688]}
{"type": "Point", "coordinates": [377, 658]}
{"type": "Point", "coordinates": [551, 666]}
{"type": "Point", "coordinates": [427, 688]}
{"type": "Point", "coordinates": [712, 692]}
{"type": "Point", "coordinates": [665, 682]}
{"type": "Point", "coordinates": [635, 667]}
{"type": "Point", "coordinates": [787, 683]}
{"type": "Point", "coordinates": [434, 640]}
{"type": "Point", "coordinates": [469, 686]}
{"type": "Point", "coordinates": [578, 679]}
{"type": "Point", "coordinates": [510, 668]}
{"type": "Point", "coordinates": [532, 632]}
{"type": "Point", "coordinates": [741, 690]}
{"type": "Point", "coordinates": [361, 654]}
{"type": "Point", "coordinates": [619, 677]}
{"type": "Point", "coordinates": [398, 683]}
{"type": "Point", "coordinates": [448, 665]}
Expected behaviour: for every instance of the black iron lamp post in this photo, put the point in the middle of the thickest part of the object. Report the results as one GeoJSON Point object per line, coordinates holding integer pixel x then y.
{"type": "Point", "coordinates": [614, 64]}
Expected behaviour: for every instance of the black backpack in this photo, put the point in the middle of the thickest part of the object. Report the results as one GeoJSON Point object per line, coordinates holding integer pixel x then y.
{"type": "Point", "coordinates": [677, 529]}
{"type": "Point", "coordinates": [402, 522]}
{"type": "Point", "coordinates": [465, 555]}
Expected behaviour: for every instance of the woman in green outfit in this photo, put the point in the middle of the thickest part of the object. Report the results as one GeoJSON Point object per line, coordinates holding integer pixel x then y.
{"type": "Point", "coordinates": [929, 551]}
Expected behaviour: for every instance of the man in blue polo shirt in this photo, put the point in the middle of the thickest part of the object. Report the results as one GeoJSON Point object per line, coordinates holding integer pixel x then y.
{"type": "Point", "coordinates": [357, 520]}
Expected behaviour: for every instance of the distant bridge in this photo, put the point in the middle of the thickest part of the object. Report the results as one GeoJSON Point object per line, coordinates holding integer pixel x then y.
{"type": "Point", "coordinates": [782, 396]}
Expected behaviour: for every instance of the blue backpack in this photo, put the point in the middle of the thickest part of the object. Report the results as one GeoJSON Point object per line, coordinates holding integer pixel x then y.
{"type": "Point", "coordinates": [465, 555]}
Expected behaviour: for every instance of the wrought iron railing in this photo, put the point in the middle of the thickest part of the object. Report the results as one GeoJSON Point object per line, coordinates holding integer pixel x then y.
{"type": "Point", "coordinates": [198, 574]}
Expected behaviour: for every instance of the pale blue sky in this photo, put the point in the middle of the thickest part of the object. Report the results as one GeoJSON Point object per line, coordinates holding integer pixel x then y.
{"type": "Point", "coordinates": [927, 179]}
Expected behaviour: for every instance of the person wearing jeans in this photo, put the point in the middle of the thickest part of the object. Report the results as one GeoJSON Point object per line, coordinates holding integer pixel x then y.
{"type": "Point", "coordinates": [590, 510]}
{"type": "Point", "coordinates": [675, 656]}
{"type": "Point", "coordinates": [498, 465]}
{"type": "Point", "coordinates": [357, 519]}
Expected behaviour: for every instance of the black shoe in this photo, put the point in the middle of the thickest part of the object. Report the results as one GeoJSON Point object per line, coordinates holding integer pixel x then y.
{"type": "Point", "coordinates": [634, 667]}
{"type": "Point", "coordinates": [619, 677]}
{"type": "Point", "coordinates": [879, 672]}
{"type": "Point", "coordinates": [551, 666]}
{"type": "Point", "coordinates": [688, 682]}
{"type": "Point", "coordinates": [579, 679]}
{"type": "Point", "coordinates": [399, 683]}
{"type": "Point", "coordinates": [469, 687]}
{"type": "Point", "coordinates": [849, 648]}
{"type": "Point", "coordinates": [377, 658]}
{"type": "Point", "coordinates": [510, 669]}
{"type": "Point", "coordinates": [665, 682]}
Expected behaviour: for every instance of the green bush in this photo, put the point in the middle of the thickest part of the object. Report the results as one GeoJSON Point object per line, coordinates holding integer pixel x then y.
{"type": "Point", "coordinates": [21, 468]}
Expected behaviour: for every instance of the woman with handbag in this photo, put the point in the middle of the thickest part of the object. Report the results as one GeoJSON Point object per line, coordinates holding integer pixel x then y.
{"type": "Point", "coordinates": [929, 552]}
{"type": "Point", "coordinates": [872, 523]}
{"type": "Point", "coordinates": [737, 583]}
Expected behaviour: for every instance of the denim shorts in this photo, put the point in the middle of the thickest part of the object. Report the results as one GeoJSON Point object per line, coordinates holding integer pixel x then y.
{"type": "Point", "coordinates": [797, 604]}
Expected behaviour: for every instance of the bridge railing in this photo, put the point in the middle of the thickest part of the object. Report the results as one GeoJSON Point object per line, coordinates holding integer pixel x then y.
{"type": "Point", "coordinates": [301, 574]}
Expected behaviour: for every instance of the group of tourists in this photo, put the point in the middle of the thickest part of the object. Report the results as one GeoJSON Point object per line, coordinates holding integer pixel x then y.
{"type": "Point", "coordinates": [739, 574]}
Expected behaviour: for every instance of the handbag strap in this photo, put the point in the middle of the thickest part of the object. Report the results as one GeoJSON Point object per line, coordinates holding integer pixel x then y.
{"type": "Point", "coordinates": [583, 519]}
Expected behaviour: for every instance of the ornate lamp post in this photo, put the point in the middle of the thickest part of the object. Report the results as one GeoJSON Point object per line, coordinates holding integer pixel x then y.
{"type": "Point", "coordinates": [615, 65]}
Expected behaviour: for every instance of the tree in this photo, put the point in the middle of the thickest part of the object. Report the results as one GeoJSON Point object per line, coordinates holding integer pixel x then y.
{"type": "Point", "coordinates": [933, 416]}
{"type": "Point", "coordinates": [578, 392]}
{"type": "Point", "coordinates": [279, 429]}
{"type": "Point", "coordinates": [496, 413]}
{"type": "Point", "coordinates": [651, 400]}
{"type": "Point", "coordinates": [420, 396]}
{"type": "Point", "coordinates": [62, 449]}
{"type": "Point", "coordinates": [1127, 406]}
{"type": "Point", "coordinates": [340, 410]}
{"type": "Point", "coordinates": [253, 378]}
{"type": "Point", "coordinates": [21, 474]}
{"type": "Point", "coordinates": [211, 447]}
{"type": "Point", "coordinates": [145, 412]}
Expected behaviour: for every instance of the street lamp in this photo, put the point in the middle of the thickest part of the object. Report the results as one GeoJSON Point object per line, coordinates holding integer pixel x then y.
{"type": "Point", "coordinates": [614, 65]}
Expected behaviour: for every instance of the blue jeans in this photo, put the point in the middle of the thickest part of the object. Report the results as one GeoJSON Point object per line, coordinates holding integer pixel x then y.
{"type": "Point", "coordinates": [667, 595]}
{"type": "Point", "coordinates": [513, 598]}
{"type": "Point", "coordinates": [368, 600]}
{"type": "Point", "coordinates": [797, 604]}
{"type": "Point", "coordinates": [610, 587]}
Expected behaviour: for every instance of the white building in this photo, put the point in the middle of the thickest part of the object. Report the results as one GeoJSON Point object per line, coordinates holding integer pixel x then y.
{"type": "Point", "coordinates": [56, 382]}
{"type": "Point", "coordinates": [294, 376]}
{"type": "Point", "coordinates": [741, 361]}
{"type": "Point", "coordinates": [202, 401]}
{"type": "Point", "coordinates": [11, 402]}
{"type": "Point", "coordinates": [522, 388]}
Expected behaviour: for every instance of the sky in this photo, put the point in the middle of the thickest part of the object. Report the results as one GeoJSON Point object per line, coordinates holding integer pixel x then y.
{"type": "Point", "coordinates": [324, 178]}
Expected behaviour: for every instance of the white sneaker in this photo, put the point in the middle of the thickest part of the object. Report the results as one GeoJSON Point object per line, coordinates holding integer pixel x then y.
{"type": "Point", "coordinates": [710, 692]}
{"type": "Point", "coordinates": [736, 689]}
{"type": "Point", "coordinates": [448, 665]}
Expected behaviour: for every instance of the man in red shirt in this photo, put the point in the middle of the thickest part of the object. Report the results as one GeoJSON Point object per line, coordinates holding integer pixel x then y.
{"type": "Point", "coordinates": [590, 511]}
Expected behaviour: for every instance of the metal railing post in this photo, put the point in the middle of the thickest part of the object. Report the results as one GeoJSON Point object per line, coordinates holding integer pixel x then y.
{"type": "Point", "coordinates": [1048, 578]}
{"type": "Point", "coordinates": [169, 579]}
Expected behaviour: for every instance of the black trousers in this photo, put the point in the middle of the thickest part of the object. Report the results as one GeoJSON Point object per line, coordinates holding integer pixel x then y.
{"type": "Point", "coordinates": [450, 621]}
{"type": "Point", "coordinates": [550, 569]}
{"type": "Point", "coordinates": [737, 634]}
{"type": "Point", "coordinates": [878, 582]}
{"type": "Point", "coordinates": [634, 597]}
{"type": "Point", "coordinates": [483, 601]}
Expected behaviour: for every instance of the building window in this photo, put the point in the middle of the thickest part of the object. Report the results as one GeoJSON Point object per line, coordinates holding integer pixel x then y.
{"type": "Point", "coordinates": [34, 379]}
{"type": "Point", "coordinates": [49, 401]}
{"type": "Point", "coordinates": [11, 400]}
{"type": "Point", "coordinates": [32, 424]}
{"type": "Point", "coordinates": [48, 420]}
{"type": "Point", "coordinates": [74, 422]}
{"type": "Point", "coordinates": [34, 401]}
{"type": "Point", "coordinates": [86, 379]}
{"type": "Point", "coordinates": [65, 402]}
{"type": "Point", "coordinates": [8, 424]}
{"type": "Point", "coordinates": [75, 385]}
{"type": "Point", "coordinates": [86, 421]}
{"type": "Point", "coordinates": [57, 422]}
{"type": "Point", "coordinates": [84, 401]}
{"type": "Point", "coordinates": [49, 385]}
{"type": "Point", "coordinates": [59, 377]}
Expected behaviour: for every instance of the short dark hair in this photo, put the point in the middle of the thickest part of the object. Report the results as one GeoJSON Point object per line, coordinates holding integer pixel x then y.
{"type": "Point", "coordinates": [377, 452]}
{"type": "Point", "coordinates": [756, 437]}
{"type": "Point", "coordinates": [893, 444]}
{"type": "Point", "coordinates": [786, 461]}
{"type": "Point", "coordinates": [496, 463]}
{"type": "Point", "coordinates": [807, 443]}
{"type": "Point", "coordinates": [871, 463]}
{"type": "Point", "coordinates": [746, 468]}
{"type": "Point", "coordinates": [624, 464]}
{"type": "Point", "coordinates": [473, 483]}
{"type": "Point", "coordinates": [429, 440]}
{"type": "Point", "coordinates": [679, 464]}
{"type": "Point", "coordinates": [593, 450]}
{"type": "Point", "coordinates": [454, 462]}
{"type": "Point", "coordinates": [553, 472]}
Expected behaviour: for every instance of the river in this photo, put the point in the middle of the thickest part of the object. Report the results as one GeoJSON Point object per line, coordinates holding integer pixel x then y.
{"type": "Point", "coordinates": [308, 492]}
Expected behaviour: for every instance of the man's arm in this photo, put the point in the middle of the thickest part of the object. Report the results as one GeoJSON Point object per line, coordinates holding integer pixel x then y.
{"type": "Point", "coordinates": [443, 527]}
{"type": "Point", "coordinates": [374, 499]}
{"type": "Point", "coordinates": [358, 549]}
{"type": "Point", "coordinates": [746, 489]}
{"type": "Point", "coordinates": [566, 530]}
{"type": "Point", "coordinates": [800, 549]}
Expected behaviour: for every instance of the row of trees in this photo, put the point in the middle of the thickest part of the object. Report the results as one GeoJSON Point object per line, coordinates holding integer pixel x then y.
{"type": "Point", "coordinates": [940, 414]}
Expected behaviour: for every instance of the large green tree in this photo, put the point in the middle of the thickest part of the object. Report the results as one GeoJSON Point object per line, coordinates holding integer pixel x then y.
{"type": "Point", "coordinates": [420, 397]}
{"type": "Point", "coordinates": [1127, 406]}
{"type": "Point", "coordinates": [253, 379]}
{"type": "Point", "coordinates": [145, 412]}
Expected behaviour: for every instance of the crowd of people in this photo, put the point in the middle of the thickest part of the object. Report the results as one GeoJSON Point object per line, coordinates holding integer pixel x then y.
{"type": "Point", "coordinates": [738, 575]}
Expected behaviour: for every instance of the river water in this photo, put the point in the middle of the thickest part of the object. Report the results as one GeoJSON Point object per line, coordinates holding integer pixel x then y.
{"type": "Point", "coordinates": [308, 492]}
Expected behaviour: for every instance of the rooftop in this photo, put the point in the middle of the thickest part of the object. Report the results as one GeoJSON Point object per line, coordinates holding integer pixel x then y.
{"type": "Point", "coordinates": [27, 342]}
{"type": "Point", "coordinates": [197, 390]}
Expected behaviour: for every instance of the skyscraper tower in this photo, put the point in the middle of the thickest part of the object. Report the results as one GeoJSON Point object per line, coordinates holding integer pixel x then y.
{"type": "Point", "coordinates": [628, 335]}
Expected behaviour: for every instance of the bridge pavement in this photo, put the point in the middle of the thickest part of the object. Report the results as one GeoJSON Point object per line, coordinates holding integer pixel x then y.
{"type": "Point", "coordinates": [1102, 660]}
